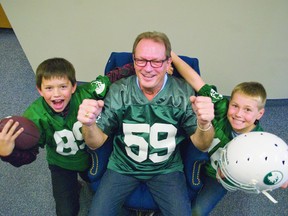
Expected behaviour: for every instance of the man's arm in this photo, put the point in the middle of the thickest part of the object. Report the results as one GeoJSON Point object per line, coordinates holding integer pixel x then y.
{"type": "Point", "coordinates": [93, 136]}
{"type": "Point", "coordinates": [204, 110]}
{"type": "Point", "coordinates": [202, 139]}
{"type": "Point", "coordinates": [88, 112]}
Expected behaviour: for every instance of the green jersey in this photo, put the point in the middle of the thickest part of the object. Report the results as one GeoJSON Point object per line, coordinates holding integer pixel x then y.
{"type": "Point", "coordinates": [146, 134]}
{"type": "Point", "coordinates": [61, 134]}
{"type": "Point", "coordinates": [223, 130]}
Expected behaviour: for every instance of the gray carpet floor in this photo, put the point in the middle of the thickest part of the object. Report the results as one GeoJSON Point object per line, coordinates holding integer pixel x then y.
{"type": "Point", "coordinates": [26, 191]}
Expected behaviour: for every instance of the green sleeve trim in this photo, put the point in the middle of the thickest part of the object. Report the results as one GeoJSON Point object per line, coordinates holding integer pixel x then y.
{"type": "Point", "coordinates": [100, 86]}
{"type": "Point", "coordinates": [209, 91]}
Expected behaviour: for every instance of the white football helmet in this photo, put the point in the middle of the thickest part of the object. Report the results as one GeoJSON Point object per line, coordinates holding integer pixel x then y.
{"type": "Point", "coordinates": [254, 162]}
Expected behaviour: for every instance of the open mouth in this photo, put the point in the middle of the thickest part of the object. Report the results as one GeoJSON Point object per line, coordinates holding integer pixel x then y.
{"type": "Point", "coordinates": [58, 104]}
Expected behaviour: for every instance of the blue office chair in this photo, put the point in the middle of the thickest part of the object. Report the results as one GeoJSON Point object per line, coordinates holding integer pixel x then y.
{"type": "Point", "coordinates": [141, 199]}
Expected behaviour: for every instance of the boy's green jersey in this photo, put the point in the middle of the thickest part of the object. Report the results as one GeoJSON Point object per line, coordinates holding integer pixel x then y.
{"type": "Point", "coordinates": [146, 134]}
{"type": "Point", "coordinates": [61, 134]}
{"type": "Point", "coordinates": [222, 126]}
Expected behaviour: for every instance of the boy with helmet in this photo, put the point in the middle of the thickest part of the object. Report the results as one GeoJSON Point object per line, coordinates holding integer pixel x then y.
{"type": "Point", "coordinates": [240, 114]}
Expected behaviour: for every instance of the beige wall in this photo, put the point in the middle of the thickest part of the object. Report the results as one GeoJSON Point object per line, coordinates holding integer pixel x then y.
{"type": "Point", "coordinates": [235, 41]}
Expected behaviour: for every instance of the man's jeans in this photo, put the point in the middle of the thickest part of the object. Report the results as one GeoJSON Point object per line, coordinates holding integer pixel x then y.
{"type": "Point", "coordinates": [169, 192]}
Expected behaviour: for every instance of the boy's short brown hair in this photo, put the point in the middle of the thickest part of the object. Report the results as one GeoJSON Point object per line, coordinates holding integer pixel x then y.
{"type": "Point", "coordinates": [55, 67]}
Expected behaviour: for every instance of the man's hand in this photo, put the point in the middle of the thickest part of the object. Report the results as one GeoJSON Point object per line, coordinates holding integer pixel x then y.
{"type": "Point", "coordinates": [89, 111]}
{"type": "Point", "coordinates": [204, 109]}
{"type": "Point", "coordinates": [8, 136]}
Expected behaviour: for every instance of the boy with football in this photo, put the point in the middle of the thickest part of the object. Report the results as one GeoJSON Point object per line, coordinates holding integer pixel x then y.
{"type": "Point", "coordinates": [55, 114]}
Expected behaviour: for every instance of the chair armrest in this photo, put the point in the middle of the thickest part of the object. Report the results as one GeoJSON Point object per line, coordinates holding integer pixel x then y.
{"type": "Point", "coordinates": [99, 163]}
{"type": "Point", "coordinates": [193, 160]}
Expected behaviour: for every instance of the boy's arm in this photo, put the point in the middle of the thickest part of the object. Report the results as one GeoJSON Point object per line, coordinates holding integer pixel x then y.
{"type": "Point", "coordinates": [187, 72]}
{"type": "Point", "coordinates": [8, 152]}
{"type": "Point", "coordinates": [285, 185]}
{"type": "Point", "coordinates": [8, 135]}
{"type": "Point", "coordinates": [21, 157]}
{"type": "Point", "coordinates": [193, 78]}
{"type": "Point", "coordinates": [121, 72]}
{"type": "Point", "coordinates": [101, 84]}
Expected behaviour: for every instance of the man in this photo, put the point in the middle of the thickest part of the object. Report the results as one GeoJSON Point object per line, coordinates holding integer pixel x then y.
{"type": "Point", "coordinates": [148, 116]}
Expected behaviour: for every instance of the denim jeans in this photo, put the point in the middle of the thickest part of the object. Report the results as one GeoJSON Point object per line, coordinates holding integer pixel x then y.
{"type": "Point", "coordinates": [66, 190]}
{"type": "Point", "coordinates": [168, 190]}
{"type": "Point", "coordinates": [208, 197]}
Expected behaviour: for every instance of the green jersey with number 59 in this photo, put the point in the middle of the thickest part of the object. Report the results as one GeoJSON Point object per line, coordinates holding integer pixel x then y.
{"type": "Point", "coordinates": [146, 134]}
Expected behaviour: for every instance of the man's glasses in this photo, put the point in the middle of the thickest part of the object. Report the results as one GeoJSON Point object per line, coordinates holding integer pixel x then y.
{"type": "Point", "coordinates": [153, 63]}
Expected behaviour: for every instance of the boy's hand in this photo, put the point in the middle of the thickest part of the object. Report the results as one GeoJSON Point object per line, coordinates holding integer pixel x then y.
{"type": "Point", "coordinates": [89, 110]}
{"type": "Point", "coordinates": [220, 174]}
{"type": "Point", "coordinates": [204, 109]}
{"type": "Point", "coordinates": [170, 70]}
{"type": "Point", "coordinates": [285, 185]}
{"type": "Point", "coordinates": [8, 136]}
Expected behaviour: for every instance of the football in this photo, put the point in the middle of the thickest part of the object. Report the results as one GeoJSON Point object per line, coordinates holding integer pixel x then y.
{"type": "Point", "coordinates": [29, 137]}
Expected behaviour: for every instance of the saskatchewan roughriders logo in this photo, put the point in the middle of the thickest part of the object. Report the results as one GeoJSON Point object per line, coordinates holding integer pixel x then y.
{"type": "Point", "coordinates": [100, 87]}
{"type": "Point", "coordinates": [215, 95]}
{"type": "Point", "coordinates": [273, 178]}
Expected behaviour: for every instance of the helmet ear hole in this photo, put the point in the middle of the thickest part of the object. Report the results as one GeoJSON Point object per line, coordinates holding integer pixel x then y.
{"type": "Point", "coordinates": [260, 162]}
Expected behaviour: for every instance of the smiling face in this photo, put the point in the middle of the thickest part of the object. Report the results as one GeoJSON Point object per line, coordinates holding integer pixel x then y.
{"type": "Point", "coordinates": [57, 92]}
{"type": "Point", "coordinates": [243, 112]}
{"type": "Point", "coordinates": [150, 78]}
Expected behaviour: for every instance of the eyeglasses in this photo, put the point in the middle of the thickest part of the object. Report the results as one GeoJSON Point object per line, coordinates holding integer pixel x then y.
{"type": "Point", "coordinates": [153, 63]}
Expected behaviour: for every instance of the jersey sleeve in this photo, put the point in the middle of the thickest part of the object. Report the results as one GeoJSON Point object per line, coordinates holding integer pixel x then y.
{"type": "Point", "coordinates": [100, 86]}
{"type": "Point", "coordinates": [21, 157]}
{"type": "Point", "coordinates": [209, 91]}
{"type": "Point", "coordinates": [220, 103]}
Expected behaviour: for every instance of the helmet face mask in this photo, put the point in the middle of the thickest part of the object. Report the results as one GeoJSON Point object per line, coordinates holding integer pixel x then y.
{"type": "Point", "coordinates": [254, 162]}
{"type": "Point", "coordinates": [229, 182]}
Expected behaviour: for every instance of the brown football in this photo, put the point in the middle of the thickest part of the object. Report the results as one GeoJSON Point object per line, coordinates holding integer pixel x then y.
{"type": "Point", "coordinates": [29, 137]}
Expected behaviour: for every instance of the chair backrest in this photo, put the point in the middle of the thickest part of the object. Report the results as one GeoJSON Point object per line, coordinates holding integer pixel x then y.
{"type": "Point", "coordinates": [118, 59]}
